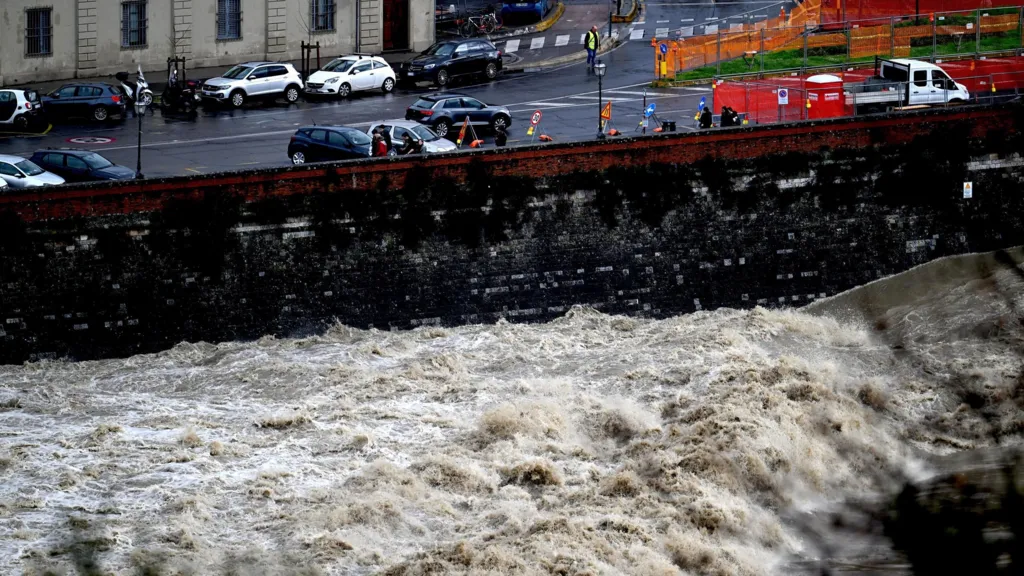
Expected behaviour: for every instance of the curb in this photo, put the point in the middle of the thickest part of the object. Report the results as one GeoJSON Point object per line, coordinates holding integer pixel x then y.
{"type": "Point", "coordinates": [628, 18]}
{"type": "Point", "coordinates": [555, 16]}
{"type": "Point", "coordinates": [553, 62]}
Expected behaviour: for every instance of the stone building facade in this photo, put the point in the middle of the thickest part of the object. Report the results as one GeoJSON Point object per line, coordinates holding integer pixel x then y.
{"type": "Point", "coordinates": [44, 40]}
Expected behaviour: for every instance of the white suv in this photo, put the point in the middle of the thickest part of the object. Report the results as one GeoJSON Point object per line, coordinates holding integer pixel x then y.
{"type": "Point", "coordinates": [348, 74]}
{"type": "Point", "coordinates": [253, 80]}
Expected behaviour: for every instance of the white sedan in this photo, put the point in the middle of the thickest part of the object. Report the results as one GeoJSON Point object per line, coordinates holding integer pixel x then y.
{"type": "Point", "coordinates": [432, 143]}
{"type": "Point", "coordinates": [348, 74]}
{"type": "Point", "coordinates": [18, 172]}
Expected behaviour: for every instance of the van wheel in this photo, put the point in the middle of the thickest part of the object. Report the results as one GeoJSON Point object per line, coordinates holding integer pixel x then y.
{"type": "Point", "coordinates": [491, 71]}
{"type": "Point", "coordinates": [442, 78]}
{"type": "Point", "coordinates": [100, 114]}
{"type": "Point", "coordinates": [291, 94]}
{"type": "Point", "coordinates": [237, 98]}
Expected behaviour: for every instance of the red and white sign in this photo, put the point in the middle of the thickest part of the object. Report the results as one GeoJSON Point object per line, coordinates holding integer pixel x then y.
{"type": "Point", "coordinates": [90, 140]}
{"type": "Point", "coordinates": [536, 118]}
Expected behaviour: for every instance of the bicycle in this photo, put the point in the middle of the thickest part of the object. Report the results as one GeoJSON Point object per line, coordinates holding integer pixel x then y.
{"type": "Point", "coordinates": [485, 24]}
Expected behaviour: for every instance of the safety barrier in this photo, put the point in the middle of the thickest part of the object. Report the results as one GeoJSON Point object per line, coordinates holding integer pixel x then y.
{"type": "Point", "coordinates": [798, 41]}
{"type": "Point", "coordinates": [837, 11]}
{"type": "Point", "coordinates": [760, 102]}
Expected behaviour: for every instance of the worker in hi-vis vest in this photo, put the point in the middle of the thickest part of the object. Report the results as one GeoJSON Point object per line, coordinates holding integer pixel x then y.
{"type": "Point", "coordinates": [593, 43]}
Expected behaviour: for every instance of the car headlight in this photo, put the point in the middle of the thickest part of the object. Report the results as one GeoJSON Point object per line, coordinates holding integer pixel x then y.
{"type": "Point", "coordinates": [332, 80]}
{"type": "Point", "coordinates": [429, 66]}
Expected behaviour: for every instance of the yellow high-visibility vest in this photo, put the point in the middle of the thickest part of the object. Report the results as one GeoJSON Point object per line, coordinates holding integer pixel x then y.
{"type": "Point", "coordinates": [591, 40]}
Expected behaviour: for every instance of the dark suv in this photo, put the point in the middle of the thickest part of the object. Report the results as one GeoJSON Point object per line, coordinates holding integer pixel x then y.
{"type": "Point", "coordinates": [450, 59]}
{"type": "Point", "coordinates": [95, 100]}
{"type": "Point", "coordinates": [443, 111]}
{"type": "Point", "coordinates": [80, 165]}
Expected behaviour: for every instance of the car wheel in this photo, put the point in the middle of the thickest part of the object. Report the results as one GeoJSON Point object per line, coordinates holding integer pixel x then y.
{"type": "Point", "coordinates": [21, 123]}
{"type": "Point", "coordinates": [237, 98]}
{"type": "Point", "coordinates": [442, 78]}
{"type": "Point", "coordinates": [100, 114]}
{"type": "Point", "coordinates": [491, 71]}
{"type": "Point", "coordinates": [442, 127]}
{"type": "Point", "coordinates": [388, 85]}
{"type": "Point", "coordinates": [344, 90]}
{"type": "Point", "coordinates": [291, 94]}
{"type": "Point", "coordinates": [298, 157]}
{"type": "Point", "coordinates": [500, 120]}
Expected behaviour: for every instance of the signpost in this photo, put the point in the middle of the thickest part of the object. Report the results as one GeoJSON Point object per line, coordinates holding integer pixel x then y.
{"type": "Point", "coordinates": [783, 97]}
{"type": "Point", "coordinates": [534, 121]}
{"type": "Point", "coordinates": [700, 108]}
{"type": "Point", "coordinates": [968, 190]}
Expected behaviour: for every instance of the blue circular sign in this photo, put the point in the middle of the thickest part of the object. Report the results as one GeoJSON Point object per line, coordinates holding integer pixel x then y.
{"type": "Point", "coordinates": [649, 110]}
{"type": "Point", "coordinates": [663, 47]}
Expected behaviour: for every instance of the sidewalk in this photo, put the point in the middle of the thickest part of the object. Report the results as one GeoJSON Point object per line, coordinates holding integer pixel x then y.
{"type": "Point", "coordinates": [563, 42]}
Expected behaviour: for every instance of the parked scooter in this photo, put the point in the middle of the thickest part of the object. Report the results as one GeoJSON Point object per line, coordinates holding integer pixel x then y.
{"type": "Point", "coordinates": [140, 87]}
{"type": "Point", "coordinates": [180, 95]}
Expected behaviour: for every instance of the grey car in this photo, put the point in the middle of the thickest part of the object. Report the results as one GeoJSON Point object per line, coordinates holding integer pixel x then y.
{"type": "Point", "coordinates": [432, 143]}
{"type": "Point", "coordinates": [19, 172]}
{"type": "Point", "coordinates": [444, 111]}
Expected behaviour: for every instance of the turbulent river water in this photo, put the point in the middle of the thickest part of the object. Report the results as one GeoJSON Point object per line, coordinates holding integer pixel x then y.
{"type": "Point", "coordinates": [592, 444]}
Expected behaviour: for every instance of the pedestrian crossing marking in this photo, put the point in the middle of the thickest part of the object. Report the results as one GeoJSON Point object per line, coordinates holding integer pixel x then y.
{"type": "Point", "coordinates": [687, 20]}
{"type": "Point", "coordinates": [663, 21]}
{"type": "Point", "coordinates": [512, 45]}
{"type": "Point", "coordinates": [712, 18]}
{"type": "Point", "coordinates": [583, 38]}
{"type": "Point", "coordinates": [562, 40]}
{"type": "Point", "coordinates": [537, 43]}
{"type": "Point", "coordinates": [637, 34]}
{"type": "Point", "coordinates": [686, 31]}
{"type": "Point", "coordinates": [711, 29]}
{"type": "Point", "coordinates": [661, 32]}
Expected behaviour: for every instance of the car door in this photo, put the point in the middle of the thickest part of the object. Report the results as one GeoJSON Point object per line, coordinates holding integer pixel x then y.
{"type": "Point", "coordinates": [361, 75]}
{"type": "Point", "coordinates": [77, 168]}
{"type": "Point", "coordinates": [941, 86]}
{"type": "Point", "coordinates": [381, 72]}
{"type": "Point", "coordinates": [11, 175]}
{"type": "Point", "coordinates": [256, 82]}
{"type": "Point", "coordinates": [62, 102]}
{"type": "Point", "coordinates": [460, 60]}
{"type": "Point", "coordinates": [54, 162]}
{"type": "Point", "coordinates": [476, 110]}
{"type": "Point", "coordinates": [8, 104]}
{"type": "Point", "coordinates": [478, 60]}
{"type": "Point", "coordinates": [316, 147]}
{"type": "Point", "coordinates": [277, 79]}
{"type": "Point", "coordinates": [920, 88]}
{"type": "Point", "coordinates": [453, 109]}
{"type": "Point", "coordinates": [339, 147]}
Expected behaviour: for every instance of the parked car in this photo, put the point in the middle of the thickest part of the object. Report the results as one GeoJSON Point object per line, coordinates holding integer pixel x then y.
{"type": "Point", "coordinates": [3, 186]}
{"type": "Point", "coordinates": [20, 109]}
{"type": "Point", "coordinates": [95, 100]}
{"type": "Point", "coordinates": [443, 111]}
{"type": "Point", "coordinates": [324, 143]}
{"type": "Point", "coordinates": [531, 10]}
{"type": "Point", "coordinates": [451, 59]}
{"type": "Point", "coordinates": [432, 143]}
{"type": "Point", "coordinates": [17, 172]}
{"type": "Point", "coordinates": [253, 80]}
{"type": "Point", "coordinates": [342, 76]}
{"type": "Point", "coordinates": [80, 165]}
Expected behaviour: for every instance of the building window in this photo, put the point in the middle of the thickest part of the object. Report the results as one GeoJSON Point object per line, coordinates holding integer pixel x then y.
{"type": "Point", "coordinates": [322, 14]}
{"type": "Point", "coordinates": [229, 19]}
{"type": "Point", "coordinates": [38, 32]}
{"type": "Point", "coordinates": [133, 23]}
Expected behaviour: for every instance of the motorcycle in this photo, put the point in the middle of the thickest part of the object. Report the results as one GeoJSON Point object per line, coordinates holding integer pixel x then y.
{"type": "Point", "coordinates": [138, 89]}
{"type": "Point", "coordinates": [180, 95]}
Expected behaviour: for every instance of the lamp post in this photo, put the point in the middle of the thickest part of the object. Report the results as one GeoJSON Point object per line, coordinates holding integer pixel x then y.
{"type": "Point", "coordinates": [140, 111]}
{"type": "Point", "coordinates": [600, 68]}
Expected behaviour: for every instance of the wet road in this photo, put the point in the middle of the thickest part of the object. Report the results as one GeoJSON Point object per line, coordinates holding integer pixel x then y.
{"type": "Point", "coordinates": [221, 139]}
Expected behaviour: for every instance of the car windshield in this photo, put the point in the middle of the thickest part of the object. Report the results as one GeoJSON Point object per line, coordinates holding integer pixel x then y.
{"type": "Point", "coordinates": [96, 162]}
{"type": "Point", "coordinates": [442, 49]}
{"type": "Point", "coordinates": [425, 134]}
{"type": "Point", "coordinates": [425, 104]}
{"type": "Point", "coordinates": [237, 72]}
{"type": "Point", "coordinates": [357, 137]}
{"type": "Point", "coordinates": [29, 167]}
{"type": "Point", "coordinates": [339, 65]}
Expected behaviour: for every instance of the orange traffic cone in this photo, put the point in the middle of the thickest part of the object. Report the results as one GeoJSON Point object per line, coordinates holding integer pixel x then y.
{"type": "Point", "coordinates": [613, 132]}
{"type": "Point", "coordinates": [476, 143]}
{"type": "Point", "coordinates": [658, 129]}
{"type": "Point", "coordinates": [544, 138]}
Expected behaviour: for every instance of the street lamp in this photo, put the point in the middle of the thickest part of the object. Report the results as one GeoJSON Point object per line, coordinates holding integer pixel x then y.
{"type": "Point", "coordinates": [140, 111]}
{"type": "Point", "coordinates": [600, 68]}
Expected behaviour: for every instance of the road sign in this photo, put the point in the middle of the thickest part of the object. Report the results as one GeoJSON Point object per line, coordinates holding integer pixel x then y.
{"type": "Point", "coordinates": [783, 97]}
{"type": "Point", "coordinates": [968, 190]}
{"type": "Point", "coordinates": [649, 110]}
{"type": "Point", "coordinates": [700, 108]}
{"type": "Point", "coordinates": [536, 118]}
{"type": "Point", "coordinates": [462, 133]}
{"type": "Point", "coordinates": [663, 47]}
{"type": "Point", "coordinates": [90, 140]}
{"type": "Point", "coordinates": [606, 114]}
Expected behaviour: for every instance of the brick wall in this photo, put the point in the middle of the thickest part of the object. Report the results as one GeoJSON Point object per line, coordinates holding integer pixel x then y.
{"type": "Point", "coordinates": [474, 241]}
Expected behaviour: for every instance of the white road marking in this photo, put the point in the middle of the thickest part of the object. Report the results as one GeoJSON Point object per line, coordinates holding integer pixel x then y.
{"type": "Point", "coordinates": [686, 31]}
{"type": "Point", "coordinates": [512, 45]}
{"type": "Point", "coordinates": [760, 15]}
{"type": "Point", "coordinates": [562, 40]}
{"type": "Point", "coordinates": [661, 32]}
{"type": "Point", "coordinates": [713, 18]}
{"type": "Point", "coordinates": [649, 94]}
{"type": "Point", "coordinates": [735, 27]}
{"type": "Point", "coordinates": [711, 29]}
{"type": "Point", "coordinates": [687, 20]}
{"type": "Point", "coordinates": [583, 38]}
{"type": "Point", "coordinates": [637, 34]}
{"type": "Point", "coordinates": [663, 21]}
{"type": "Point", "coordinates": [537, 43]}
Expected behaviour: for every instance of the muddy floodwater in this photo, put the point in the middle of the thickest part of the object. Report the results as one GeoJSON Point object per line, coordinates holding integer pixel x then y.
{"type": "Point", "coordinates": [592, 444]}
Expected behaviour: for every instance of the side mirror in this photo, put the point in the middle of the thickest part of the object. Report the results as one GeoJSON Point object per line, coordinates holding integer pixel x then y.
{"type": "Point", "coordinates": [54, 95]}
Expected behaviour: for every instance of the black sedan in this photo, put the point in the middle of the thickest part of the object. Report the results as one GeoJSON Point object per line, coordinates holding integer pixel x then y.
{"type": "Point", "coordinates": [325, 143]}
{"type": "Point", "coordinates": [80, 165]}
{"type": "Point", "coordinates": [95, 100]}
{"type": "Point", "coordinates": [446, 112]}
{"type": "Point", "coordinates": [452, 59]}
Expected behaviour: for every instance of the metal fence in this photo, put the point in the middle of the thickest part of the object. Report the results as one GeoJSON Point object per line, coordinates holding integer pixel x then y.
{"type": "Point", "coordinates": [798, 41]}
